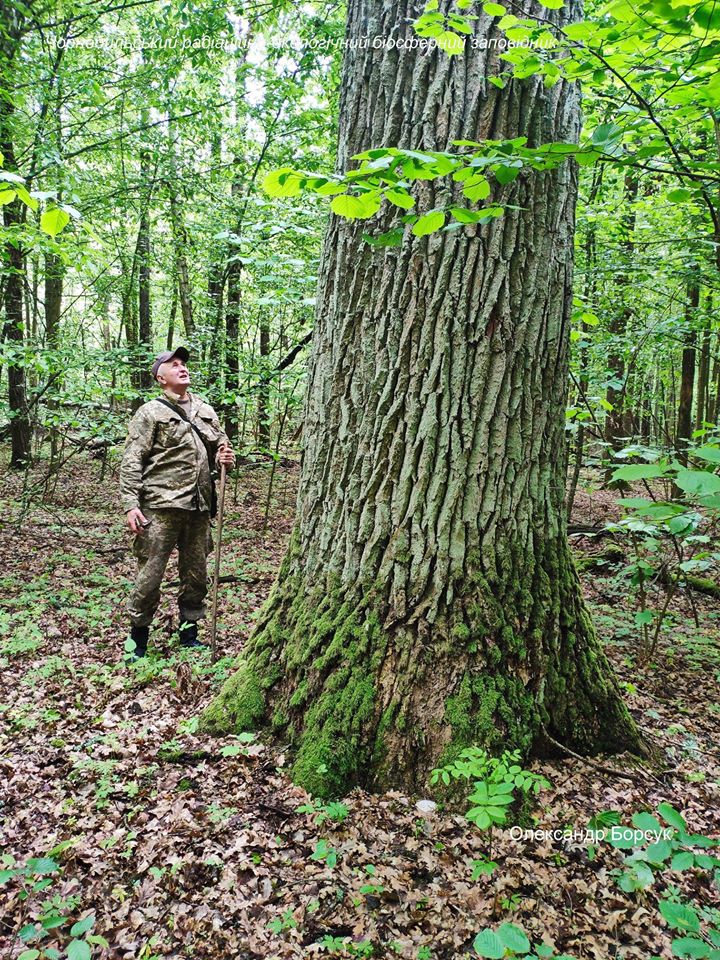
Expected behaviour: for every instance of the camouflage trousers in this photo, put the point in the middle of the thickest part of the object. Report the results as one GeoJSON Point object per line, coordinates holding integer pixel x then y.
{"type": "Point", "coordinates": [189, 531]}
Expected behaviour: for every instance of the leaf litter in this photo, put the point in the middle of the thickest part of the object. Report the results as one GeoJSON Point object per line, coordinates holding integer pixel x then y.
{"type": "Point", "coordinates": [189, 846]}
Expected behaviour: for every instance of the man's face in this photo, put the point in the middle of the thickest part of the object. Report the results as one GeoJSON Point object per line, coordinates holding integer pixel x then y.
{"type": "Point", "coordinates": [174, 375]}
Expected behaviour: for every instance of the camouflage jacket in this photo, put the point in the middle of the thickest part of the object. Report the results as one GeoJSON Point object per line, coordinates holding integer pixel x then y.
{"type": "Point", "coordinates": [165, 463]}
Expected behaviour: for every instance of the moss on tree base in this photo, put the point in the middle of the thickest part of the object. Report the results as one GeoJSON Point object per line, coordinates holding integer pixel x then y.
{"type": "Point", "coordinates": [363, 699]}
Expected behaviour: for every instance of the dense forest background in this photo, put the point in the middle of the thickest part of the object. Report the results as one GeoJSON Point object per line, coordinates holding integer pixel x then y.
{"type": "Point", "coordinates": [143, 134]}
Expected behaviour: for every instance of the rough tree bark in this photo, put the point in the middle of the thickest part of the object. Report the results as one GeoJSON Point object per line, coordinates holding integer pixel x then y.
{"type": "Point", "coordinates": [428, 599]}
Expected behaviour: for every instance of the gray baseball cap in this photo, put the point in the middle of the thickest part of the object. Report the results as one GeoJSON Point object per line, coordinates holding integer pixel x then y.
{"type": "Point", "coordinates": [166, 355]}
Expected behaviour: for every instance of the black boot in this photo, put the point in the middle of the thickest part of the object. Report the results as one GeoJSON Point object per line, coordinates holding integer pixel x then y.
{"type": "Point", "coordinates": [188, 635]}
{"type": "Point", "coordinates": [140, 636]}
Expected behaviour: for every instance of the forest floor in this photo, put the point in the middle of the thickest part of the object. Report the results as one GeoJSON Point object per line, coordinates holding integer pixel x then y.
{"type": "Point", "coordinates": [123, 826]}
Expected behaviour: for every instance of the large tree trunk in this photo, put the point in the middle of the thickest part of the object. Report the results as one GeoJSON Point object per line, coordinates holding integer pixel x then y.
{"type": "Point", "coordinates": [428, 599]}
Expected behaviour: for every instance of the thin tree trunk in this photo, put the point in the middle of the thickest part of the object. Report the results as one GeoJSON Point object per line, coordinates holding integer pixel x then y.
{"type": "Point", "coordinates": [590, 250]}
{"type": "Point", "coordinates": [714, 389]}
{"type": "Point", "coordinates": [687, 374]}
{"type": "Point", "coordinates": [232, 348]}
{"type": "Point", "coordinates": [615, 424]}
{"type": "Point", "coordinates": [54, 276]}
{"type": "Point", "coordinates": [263, 402]}
{"type": "Point", "coordinates": [428, 599]}
{"type": "Point", "coordinates": [702, 396]}
{"type": "Point", "coordinates": [171, 319]}
{"type": "Point", "coordinates": [144, 308]}
{"type": "Point", "coordinates": [180, 242]}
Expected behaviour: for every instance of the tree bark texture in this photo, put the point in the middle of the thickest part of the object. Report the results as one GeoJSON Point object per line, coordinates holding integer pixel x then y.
{"type": "Point", "coordinates": [428, 600]}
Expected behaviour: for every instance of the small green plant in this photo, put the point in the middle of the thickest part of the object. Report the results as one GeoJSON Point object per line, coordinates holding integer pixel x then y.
{"type": "Point", "coordinates": [510, 902]}
{"type": "Point", "coordinates": [220, 815]}
{"type": "Point", "coordinates": [335, 811]}
{"type": "Point", "coordinates": [482, 867]}
{"type": "Point", "coordinates": [656, 847]}
{"type": "Point", "coordinates": [281, 924]}
{"type": "Point", "coordinates": [54, 920]}
{"type": "Point", "coordinates": [696, 941]}
{"type": "Point", "coordinates": [495, 782]}
{"type": "Point", "coordinates": [509, 940]}
{"type": "Point", "coordinates": [239, 747]}
{"type": "Point", "coordinates": [323, 852]}
{"type": "Point", "coordinates": [362, 948]}
{"type": "Point", "coordinates": [664, 535]}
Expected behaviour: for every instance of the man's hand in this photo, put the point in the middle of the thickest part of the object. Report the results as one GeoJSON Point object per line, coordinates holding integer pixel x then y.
{"type": "Point", "coordinates": [226, 455]}
{"type": "Point", "coordinates": [136, 520]}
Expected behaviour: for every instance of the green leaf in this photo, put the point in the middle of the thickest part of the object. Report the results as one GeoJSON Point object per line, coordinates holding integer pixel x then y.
{"type": "Point", "coordinates": [28, 932]}
{"type": "Point", "coordinates": [682, 861]}
{"type": "Point", "coordinates": [698, 483]}
{"type": "Point", "coordinates": [429, 223]}
{"type": "Point", "coordinates": [689, 947]}
{"type": "Point", "coordinates": [82, 926]}
{"type": "Point", "coordinates": [670, 815]}
{"type": "Point", "coordinates": [27, 199]}
{"type": "Point", "coordinates": [513, 938]}
{"type": "Point", "coordinates": [552, 4]}
{"type": "Point", "coordinates": [494, 9]}
{"type": "Point", "coordinates": [99, 940]}
{"type": "Point", "coordinates": [356, 207]}
{"type": "Point", "coordinates": [657, 853]}
{"type": "Point", "coordinates": [645, 821]}
{"type": "Point", "coordinates": [53, 221]}
{"type": "Point", "coordinates": [450, 43]}
{"type": "Point", "coordinates": [506, 174]}
{"type": "Point", "coordinates": [42, 865]}
{"type": "Point", "coordinates": [679, 916]}
{"type": "Point", "coordinates": [712, 454]}
{"type": "Point", "coordinates": [638, 471]}
{"type": "Point", "coordinates": [400, 198]}
{"type": "Point", "coordinates": [679, 195]}
{"type": "Point", "coordinates": [477, 188]}
{"type": "Point", "coordinates": [29, 955]}
{"type": "Point", "coordinates": [78, 950]}
{"type": "Point", "coordinates": [463, 215]}
{"type": "Point", "coordinates": [282, 183]}
{"type": "Point", "coordinates": [488, 944]}
{"type": "Point", "coordinates": [393, 238]}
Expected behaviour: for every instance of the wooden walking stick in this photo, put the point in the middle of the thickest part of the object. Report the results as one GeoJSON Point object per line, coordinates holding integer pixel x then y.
{"type": "Point", "coordinates": [216, 570]}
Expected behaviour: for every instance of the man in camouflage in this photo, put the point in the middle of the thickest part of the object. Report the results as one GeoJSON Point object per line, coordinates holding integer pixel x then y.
{"type": "Point", "coordinates": [166, 491]}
